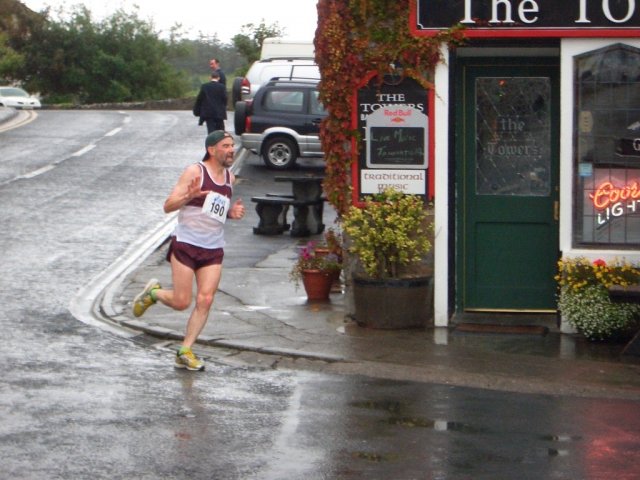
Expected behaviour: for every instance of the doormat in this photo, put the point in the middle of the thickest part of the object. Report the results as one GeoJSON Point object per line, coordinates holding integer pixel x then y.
{"type": "Point", "coordinates": [506, 329]}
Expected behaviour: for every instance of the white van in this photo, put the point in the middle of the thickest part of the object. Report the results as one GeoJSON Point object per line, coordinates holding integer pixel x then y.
{"type": "Point", "coordinates": [279, 47]}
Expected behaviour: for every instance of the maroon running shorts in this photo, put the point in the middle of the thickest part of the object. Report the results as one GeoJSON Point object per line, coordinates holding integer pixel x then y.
{"type": "Point", "coordinates": [194, 257]}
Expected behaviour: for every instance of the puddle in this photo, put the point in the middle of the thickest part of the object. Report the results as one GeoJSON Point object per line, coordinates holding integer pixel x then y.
{"type": "Point", "coordinates": [373, 457]}
{"type": "Point", "coordinates": [387, 406]}
{"type": "Point", "coordinates": [437, 425]}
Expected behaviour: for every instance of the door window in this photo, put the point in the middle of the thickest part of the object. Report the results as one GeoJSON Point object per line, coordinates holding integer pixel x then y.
{"type": "Point", "coordinates": [512, 132]}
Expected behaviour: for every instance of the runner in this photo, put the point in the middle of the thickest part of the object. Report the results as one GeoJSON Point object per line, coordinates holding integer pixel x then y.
{"type": "Point", "coordinates": [202, 197]}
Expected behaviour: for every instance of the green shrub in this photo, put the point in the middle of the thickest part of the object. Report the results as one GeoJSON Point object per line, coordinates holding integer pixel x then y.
{"type": "Point", "coordinates": [390, 231]}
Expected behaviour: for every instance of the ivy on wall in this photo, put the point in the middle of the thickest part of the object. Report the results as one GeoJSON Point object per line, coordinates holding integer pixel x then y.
{"type": "Point", "coordinates": [354, 39]}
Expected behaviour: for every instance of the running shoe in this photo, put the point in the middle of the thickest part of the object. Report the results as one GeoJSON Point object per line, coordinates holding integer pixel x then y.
{"type": "Point", "coordinates": [143, 300]}
{"type": "Point", "coordinates": [188, 360]}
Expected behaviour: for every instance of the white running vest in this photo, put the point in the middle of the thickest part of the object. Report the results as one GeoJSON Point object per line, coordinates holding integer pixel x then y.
{"type": "Point", "coordinates": [195, 227]}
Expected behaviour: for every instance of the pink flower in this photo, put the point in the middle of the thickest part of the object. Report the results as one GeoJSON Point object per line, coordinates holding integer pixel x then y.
{"type": "Point", "coordinates": [308, 251]}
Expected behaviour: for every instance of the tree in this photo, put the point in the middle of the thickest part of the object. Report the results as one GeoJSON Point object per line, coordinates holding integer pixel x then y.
{"type": "Point", "coordinates": [78, 60]}
{"type": "Point", "coordinates": [67, 57]}
{"type": "Point", "coordinates": [192, 57]}
{"type": "Point", "coordinates": [15, 23]}
{"type": "Point", "coordinates": [10, 60]}
{"type": "Point", "coordinates": [249, 41]}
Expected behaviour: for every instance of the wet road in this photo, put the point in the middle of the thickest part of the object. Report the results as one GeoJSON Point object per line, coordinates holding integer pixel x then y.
{"type": "Point", "coordinates": [77, 189]}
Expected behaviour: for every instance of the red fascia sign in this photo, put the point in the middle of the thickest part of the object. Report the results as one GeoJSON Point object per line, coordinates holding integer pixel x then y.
{"type": "Point", "coordinates": [527, 18]}
{"type": "Point", "coordinates": [395, 146]}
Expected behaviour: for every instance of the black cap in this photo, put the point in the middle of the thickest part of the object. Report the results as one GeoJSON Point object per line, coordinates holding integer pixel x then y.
{"type": "Point", "coordinates": [213, 138]}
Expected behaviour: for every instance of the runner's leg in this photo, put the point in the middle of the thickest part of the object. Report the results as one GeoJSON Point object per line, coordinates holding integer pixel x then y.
{"type": "Point", "coordinates": [180, 297]}
{"type": "Point", "coordinates": [207, 280]}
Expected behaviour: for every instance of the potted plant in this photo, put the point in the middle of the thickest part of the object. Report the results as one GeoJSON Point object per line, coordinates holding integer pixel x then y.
{"type": "Point", "coordinates": [332, 245]}
{"type": "Point", "coordinates": [390, 236]}
{"type": "Point", "coordinates": [584, 302]}
{"type": "Point", "coordinates": [316, 271]}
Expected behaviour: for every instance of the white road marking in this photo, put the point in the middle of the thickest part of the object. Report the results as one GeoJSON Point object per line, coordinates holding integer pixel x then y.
{"type": "Point", "coordinates": [37, 172]}
{"type": "Point", "coordinates": [24, 117]}
{"type": "Point", "coordinates": [84, 150]}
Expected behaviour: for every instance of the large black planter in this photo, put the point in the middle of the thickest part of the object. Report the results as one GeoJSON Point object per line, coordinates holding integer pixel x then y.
{"type": "Point", "coordinates": [393, 303]}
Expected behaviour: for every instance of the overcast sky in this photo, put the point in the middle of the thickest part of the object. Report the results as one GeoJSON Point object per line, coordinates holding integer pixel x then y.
{"type": "Point", "coordinates": [224, 18]}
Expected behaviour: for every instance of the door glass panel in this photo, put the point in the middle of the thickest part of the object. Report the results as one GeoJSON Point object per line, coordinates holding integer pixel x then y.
{"type": "Point", "coordinates": [513, 145]}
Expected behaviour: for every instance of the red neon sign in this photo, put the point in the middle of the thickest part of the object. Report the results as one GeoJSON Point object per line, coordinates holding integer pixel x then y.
{"type": "Point", "coordinates": [608, 194]}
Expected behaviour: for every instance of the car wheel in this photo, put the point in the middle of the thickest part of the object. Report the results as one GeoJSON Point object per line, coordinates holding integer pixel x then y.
{"type": "Point", "coordinates": [236, 90]}
{"type": "Point", "coordinates": [240, 117]}
{"type": "Point", "coordinates": [279, 153]}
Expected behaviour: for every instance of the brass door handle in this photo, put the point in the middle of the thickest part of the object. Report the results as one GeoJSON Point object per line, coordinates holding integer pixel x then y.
{"type": "Point", "coordinates": [556, 210]}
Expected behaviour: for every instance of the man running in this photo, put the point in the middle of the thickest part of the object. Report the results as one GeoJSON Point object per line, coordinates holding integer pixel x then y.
{"type": "Point", "coordinates": [202, 197]}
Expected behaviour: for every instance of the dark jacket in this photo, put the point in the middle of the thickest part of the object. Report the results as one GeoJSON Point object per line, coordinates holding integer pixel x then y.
{"type": "Point", "coordinates": [223, 78]}
{"type": "Point", "coordinates": [211, 102]}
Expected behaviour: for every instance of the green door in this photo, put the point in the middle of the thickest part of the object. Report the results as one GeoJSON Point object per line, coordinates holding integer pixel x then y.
{"type": "Point", "coordinates": [507, 153]}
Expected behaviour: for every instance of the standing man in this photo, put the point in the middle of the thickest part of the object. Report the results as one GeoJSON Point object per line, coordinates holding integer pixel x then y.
{"type": "Point", "coordinates": [202, 197]}
{"type": "Point", "coordinates": [211, 104]}
{"type": "Point", "coordinates": [214, 64]}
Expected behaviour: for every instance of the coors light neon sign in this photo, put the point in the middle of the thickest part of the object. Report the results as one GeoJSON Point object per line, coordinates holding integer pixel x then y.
{"type": "Point", "coordinates": [613, 202]}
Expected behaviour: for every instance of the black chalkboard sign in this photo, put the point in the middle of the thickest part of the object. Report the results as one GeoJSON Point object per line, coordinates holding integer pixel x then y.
{"type": "Point", "coordinates": [394, 143]}
{"type": "Point", "coordinates": [397, 146]}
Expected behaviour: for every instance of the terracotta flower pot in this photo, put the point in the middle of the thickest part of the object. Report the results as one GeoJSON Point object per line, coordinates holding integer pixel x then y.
{"type": "Point", "coordinates": [317, 284]}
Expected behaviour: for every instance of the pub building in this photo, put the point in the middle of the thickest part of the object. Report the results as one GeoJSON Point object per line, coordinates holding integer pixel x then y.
{"type": "Point", "coordinates": [532, 146]}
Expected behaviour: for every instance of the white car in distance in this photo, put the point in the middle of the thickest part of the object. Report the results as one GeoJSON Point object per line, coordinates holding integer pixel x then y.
{"type": "Point", "coordinates": [15, 97]}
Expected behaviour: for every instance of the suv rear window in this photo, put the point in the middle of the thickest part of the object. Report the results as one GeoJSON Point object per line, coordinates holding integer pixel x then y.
{"type": "Point", "coordinates": [284, 101]}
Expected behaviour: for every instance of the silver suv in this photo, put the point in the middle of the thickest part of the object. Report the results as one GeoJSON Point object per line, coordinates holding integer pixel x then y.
{"type": "Point", "coordinates": [282, 122]}
{"type": "Point", "coordinates": [261, 71]}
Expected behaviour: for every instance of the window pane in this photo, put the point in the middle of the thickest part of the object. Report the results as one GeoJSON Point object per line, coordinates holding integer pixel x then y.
{"type": "Point", "coordinates": [607, 147]}
{"type": "Point", "coordinates": [284, 101]}
{"type": "Point", "coordinates": [513, 144]}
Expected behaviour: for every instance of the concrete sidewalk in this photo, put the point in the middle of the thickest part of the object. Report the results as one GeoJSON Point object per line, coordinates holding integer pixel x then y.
{"type": "Point", "coordinates": [260, 317]}
{"type": "Point", "coordinates": [7, 114]}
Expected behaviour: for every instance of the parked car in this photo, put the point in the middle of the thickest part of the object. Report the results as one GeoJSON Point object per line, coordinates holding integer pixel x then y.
{"type": "Point", "coordinates": [282, 122]}
{"type": "Point", "coordinates": [261, 71]}
{"type": "Point", "coordinates": [15, 97]}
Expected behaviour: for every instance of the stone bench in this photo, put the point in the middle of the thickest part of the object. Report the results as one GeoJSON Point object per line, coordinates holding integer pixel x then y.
{"type": "Point", "coordinates": [272, 210]}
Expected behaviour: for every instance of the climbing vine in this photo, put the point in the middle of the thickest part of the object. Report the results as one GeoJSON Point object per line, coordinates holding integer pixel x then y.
{"type": "Point", "coordinates": [353, 39]}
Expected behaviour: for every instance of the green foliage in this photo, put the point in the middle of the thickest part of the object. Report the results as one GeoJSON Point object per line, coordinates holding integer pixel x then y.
{"type": "Point", "coordinates": [584, 297]}
{"type": "Point", "coordinates": [118, 59]}
{"type": "Point", "coordinates": [388, 232]}
{"type": "Point", "coordinates": [16, 22]}
{"type": "Point", "coordinates": [66, 56]}
{"type": "Point", "coordinates": [192, 58]}
{"type": "Point", "coordinates": [10, 60]}
{"type": "Point", "coordinates": [249, 41]}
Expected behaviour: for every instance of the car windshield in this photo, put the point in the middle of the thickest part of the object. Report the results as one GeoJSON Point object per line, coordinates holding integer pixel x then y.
{"type": "Point", "coordinates": [13, 92]}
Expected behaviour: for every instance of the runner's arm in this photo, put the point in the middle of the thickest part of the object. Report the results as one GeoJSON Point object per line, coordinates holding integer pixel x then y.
{"type": "Point", "coordinates": [186, 189]}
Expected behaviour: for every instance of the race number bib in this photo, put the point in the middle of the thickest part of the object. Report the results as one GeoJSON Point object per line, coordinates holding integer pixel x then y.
{"type": "Point", "coordinates": [216, 206]}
